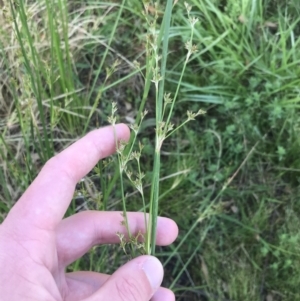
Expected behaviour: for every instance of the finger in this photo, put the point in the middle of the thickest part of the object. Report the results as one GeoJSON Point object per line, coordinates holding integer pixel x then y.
{"type": "Point", "coordinates": [80, 232]}
{"type": "Point", "coordinates": [48, 197]}
{"type": "Point", "coordinates": [139, 279]}
{"type": "Point", "coordinates": [83, 284]}
{"type": "Point", "coordinates": [163, 294]}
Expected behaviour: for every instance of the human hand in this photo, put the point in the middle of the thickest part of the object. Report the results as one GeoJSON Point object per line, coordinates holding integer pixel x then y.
{"type": "Point", "coordinates": [36, 243]}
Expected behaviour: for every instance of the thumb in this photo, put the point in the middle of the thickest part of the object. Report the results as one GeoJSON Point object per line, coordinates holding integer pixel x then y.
{"type": "Point", "coordinates": [138, 279]}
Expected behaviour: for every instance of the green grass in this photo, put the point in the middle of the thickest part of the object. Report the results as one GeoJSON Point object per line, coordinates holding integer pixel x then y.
{"type": "Point", "coordinates": [229, 179]}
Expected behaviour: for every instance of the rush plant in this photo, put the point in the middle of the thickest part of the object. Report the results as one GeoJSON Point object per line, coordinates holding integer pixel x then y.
{"type": "Point", "coordinates": [157, 42]}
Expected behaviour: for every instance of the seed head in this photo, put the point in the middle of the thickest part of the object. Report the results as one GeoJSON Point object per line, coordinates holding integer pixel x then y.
{"type": "Point", "coordinates": [201, 112]}
{"type": "Point", "coordinates": [167, 98]}
{"type": "Point", "coordinates": [188, 7]}
{"type": "Point", "coordinates": [138, 185]}
{"type": "Point", "coordinates": [136, 155]}
{"type": "Point", "coordinates": [156, 78]}
{"type": "Point", "coordinates": [136, 64]}
{"type": "Point", "coordinates": [129, 174]}
{"type": "Point", "coordinates": [146, 6]}
{"type": "Point", "coordinates": [135, 128]}
{"type": "Point", "coordinates": [191, 48]}
{"type": "Point", "coordinates": [141, 146]}
{"type": "Point", "coordinates": [193, 21]}
{"type": "Point", "coordinates": [112, 120]}
{"type": "Point", "coordinates": [121, 146]}
{"type": "Point", "coordinates": [143, 114]}
{"type": "Point", "coordinates": [191, 115]}
{"type": "Point", "coordinates": [170, 127]}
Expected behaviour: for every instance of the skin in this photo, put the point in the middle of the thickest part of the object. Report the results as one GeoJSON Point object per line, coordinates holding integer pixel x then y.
{"type": "Point", "coordinates": [36, 243]}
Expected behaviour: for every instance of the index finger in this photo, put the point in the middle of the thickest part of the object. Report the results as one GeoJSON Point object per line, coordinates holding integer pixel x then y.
{"type": "Point", "coordinates": [46, 200]}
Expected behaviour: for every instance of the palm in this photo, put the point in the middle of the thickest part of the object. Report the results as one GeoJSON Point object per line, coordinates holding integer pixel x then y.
{"type": "Point", "coordinates": [36, 244]}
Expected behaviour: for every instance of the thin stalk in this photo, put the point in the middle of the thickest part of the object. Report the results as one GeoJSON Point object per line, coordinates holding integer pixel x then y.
{"type": "Point", "coordinates": [175, 130]}
{"type": "Point", "coordinates": [35, 78]}
{"type": "Point", "coordinates": [104, 58]}
{"type": "Point", "coordinates": [94, 107]}
{"type": "Point", "coordinates": [180, 79]}
{"type": "Point", "coordinates": [120, 164]}
{"type": "Point", "coordinates": [110, 186]}
{"type": "Point", "coordinates": [124, 201]}
{"type": "Point", "coordinates": [185, 265]}
{"type": "Point", "coordinates": [150, 60]}
{"type": "Point", "coordinates": [52, 55]}
{"type": "Point", "coordinates": [150, 244]}
{"type": "Point", "coordinates": [103, 185]}
{"type": "Point", "coordinates": [143, 198]}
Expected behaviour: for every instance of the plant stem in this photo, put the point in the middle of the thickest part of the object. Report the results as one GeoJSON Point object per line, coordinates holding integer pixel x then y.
{"type": "Point", "coordinates": [180, 79]}
{"type": "Point", "coordinates": [152, 224]}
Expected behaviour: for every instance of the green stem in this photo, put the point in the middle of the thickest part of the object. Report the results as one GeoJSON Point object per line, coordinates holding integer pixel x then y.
{"type": "Point", "coordinates": [102, 63]}
{"type": "Point", "coordinates": [124, 200]}
{"type": "Point", "coordinates": [122, 185]}
{"type": "Point", "coordinates": [175, 130]}
{"type": "Point", "coordinates": [180, 79]}
{"type": "Point", "coordinates": [143, 200]}
{"type": "Point", "coordinates": [154, 195]}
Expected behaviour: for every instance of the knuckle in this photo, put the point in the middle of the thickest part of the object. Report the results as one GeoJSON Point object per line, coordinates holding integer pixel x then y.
{"type": "Point", "coordinates": [52, 163]}
{"type": "Point", "coordinates": [55, 166]}
{"type": "Point", "coordinates": [129, 289]}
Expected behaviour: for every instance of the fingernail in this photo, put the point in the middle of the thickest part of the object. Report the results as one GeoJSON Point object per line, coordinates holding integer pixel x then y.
{"type": "Point", "coordinates": [154, 272]}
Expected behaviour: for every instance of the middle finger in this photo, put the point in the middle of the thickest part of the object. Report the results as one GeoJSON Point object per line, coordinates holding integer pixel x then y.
{"type": "Point", "coordinates": [79, 233]}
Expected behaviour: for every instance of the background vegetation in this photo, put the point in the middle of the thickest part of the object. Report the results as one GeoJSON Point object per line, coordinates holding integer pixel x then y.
{"type": "Point", "coordinates": [230, 179]}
